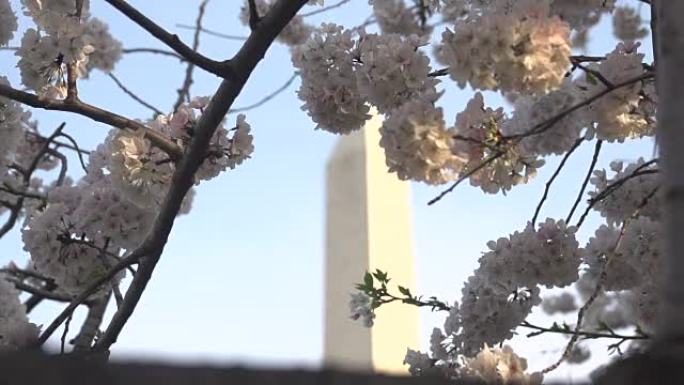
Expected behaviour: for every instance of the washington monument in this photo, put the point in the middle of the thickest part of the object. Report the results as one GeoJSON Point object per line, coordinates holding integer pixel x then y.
{"type": "Point", "coordinates": [368, 227]}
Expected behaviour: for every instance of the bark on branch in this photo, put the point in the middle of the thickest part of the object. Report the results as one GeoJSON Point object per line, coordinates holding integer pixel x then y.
{"type": "Point", "coordinates": [218, 68]}
{"type": "Point", "coordinates": [94, 113]}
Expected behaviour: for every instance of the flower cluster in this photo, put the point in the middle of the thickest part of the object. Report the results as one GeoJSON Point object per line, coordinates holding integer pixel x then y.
{"type": "Point", "coordinates": [392, 70]}
{"type": "Point", "coordinates": [632, 188]}
{"type": "Point", "coordinates": [520, 48]}
{"type": "Point", "coordinates": [502, 291]}
{"type": "Point", "coordinates": [625, 112]}
{"type": "Point", "coordinates": [16, 332]}
{"type": "Point", "coordinates": [225, 151]}
{"type": "Point", "coordinates": [495, 163]}
{"type": "Point", "coordinates": [295, 32]}
{"type": "Point", "coordinates": [531, 112]}
{"type": "Point", "coordinates": [499, 366]}
{"type": "Point", "coordinates": [13, 120]}
{"type": "Point", "coordinates": [627, 24]}
{"type": "Point", "coordinates": [491, 366]}
{"type": "Point", "coordinates": [106, 49]}
{"type": "Point", "coordinates": [8, 22]}
{"type": "Point", "coordinates": [85, 227]}
{"type": "Point", "coordinates": [417, 145]}
{"type": "Point", "coordinates": [632, 261]}
{"type": "Point", "coordinates": [360, 307]}
{"type": "Point", "coordinates": [59, 248]}
{"type": "Point", "coordinates": [329, 87]}
{"type": "Point", "coordinates": [394, 17]}
{"type": "Point", "coordinates": [64, 36]}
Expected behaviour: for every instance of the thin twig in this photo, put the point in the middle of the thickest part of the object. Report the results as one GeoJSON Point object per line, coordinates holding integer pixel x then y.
{"type": "Point", "coordinates": [64, 334]}
{"type": "Point", "coordinates": [134, 96]}
{"type": "Point", "coordinates": [325, 9]}
{"type": "Point", "coordinates": [94, 113]}
{"type": "Point", "coordinates": [212, 32]}
{"type": "Point", "coordinates": [553, 178]}
{"type": "Point", "coordinates": [35, 299]}
{"type": "Point", "coordinates": [547, 124]}
{"type": "Point", "coordinates": [88, 291]}
{"type": "Point", "coordinates": [75, 147]}
{"type": "Point", "coordinates": [582, 333]}
{"type": "Point", "coordinates": [615, 186]}
{"type": "Point", "coordinates": [466, 176]}
{"type": "Point", "coordinates": [154, 51]}
{"type": "Point", "coordinates": [46, 294]}
{"type": "Point", "coordinates": [267, 98]}
{"type": "Point", "coordinates": [221, 69]}
{"type": "Point", "coordinates": [15, 209]}
{"type": "Point", "coordinates": [184, 90]}
{"type": "Point", "coordinates": [62, 168]}
{"type": "Point", "coordinates": [544, 126]}
{"type": "Point", "coordinates": [594, 159]}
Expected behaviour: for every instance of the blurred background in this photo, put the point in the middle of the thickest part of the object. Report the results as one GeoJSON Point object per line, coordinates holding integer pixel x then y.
{"type": "Point", "coordinates": [241, 279]}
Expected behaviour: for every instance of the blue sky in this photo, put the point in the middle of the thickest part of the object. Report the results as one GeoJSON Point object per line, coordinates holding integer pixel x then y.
{"type": "Point", "coordinates": [241, 279]}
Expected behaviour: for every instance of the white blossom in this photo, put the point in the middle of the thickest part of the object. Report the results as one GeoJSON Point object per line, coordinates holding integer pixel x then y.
{"type": "Point", "coordinates": [392, 70]}
{"type": "Point", "coordinates": [59, 251]}
{"type": "Point", "coordinates": [329, 88]}
{"type": "Point", "coordinates": [394, 16]}
{"type": "Point", "coordinates": [500, 366]}
{"type": "Point", "coordinates": [360, 307]}
{"type": "Point", "coordinates": [627, 24]}
{"type": "Point", "coordinates": [417, 145]}
{"type": "Point", "coordinates": [43, 59]}
{"type": "Point", "coordinates": [618, 114]}
{"type": "Point", "coordinates": [581, 14]}
{"type": "Point", "coordinates": [509, 51]}
{"type": "Point", "coordinates": [419, 363]}
{"type": "Point", "coordinates": [16, 332]}
{"type": "Point", "coordinates": [494, 163]}
{"type": "Point", "coordinates": [13, 120]}
{"type": "Point", "coordinates": [562, 303]}
{"type": "Point", "coordinates": [295, 32]}
{"type": "Point", "coordinates": [531, 112]}
{"type": "Point", "coordinates": [8, 22]}
{"type": "Point", "coordinates": [629, 193]}
{"type": "Point", "coordinates": [107, 50]}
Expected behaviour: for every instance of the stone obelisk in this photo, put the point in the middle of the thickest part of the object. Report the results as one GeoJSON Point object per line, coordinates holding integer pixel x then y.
{"type": "Point", "coordinates": [368, 227]}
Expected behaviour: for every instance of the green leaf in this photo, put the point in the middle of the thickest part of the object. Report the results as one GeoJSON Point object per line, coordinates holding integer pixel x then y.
{"type": "Point", "coordinates": [404, 291]}
{"type": "Point", "coordinates": [368, 280]}
{"type": "Point", "coordinates": [380, 276]}
{"type": "Point", "coordinates": [591, 78]}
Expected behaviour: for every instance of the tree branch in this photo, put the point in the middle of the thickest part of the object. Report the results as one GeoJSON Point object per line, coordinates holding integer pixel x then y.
{"type": "Point", "coordinates": [154, 51]}
{"type": "Point", "coordinates": [614, 186]}
{"type": "Point", "coordinates": [594, 159]}
{"type": "Point", "coordinates": [221, 69]}
{"type": "Point", "coordinates": [325, 9]}
{"type": "Point", "coordinates": [212, 32]}
{"type": "Point", "coordinates": [133, 96]}
{"type": "Point", "coordinates": [46, 294]}
{"type": "Point", "coordinates": [553, 178]}
{"type": "Point", "coordinates": [266, 98]}
{"type": "Point", "coordinates": [92, 323]}
{"type": "Point", "coordinates": [88, 291]}
{"type": "Point", "coordinates": [253, 15]}
{"type": "Point", "coordinates": [94, 113]}
{"type": "Point", "coordinates": [183, 178]}
{"type": "Point", "coordinates": [184, 91]}
{"type": "Point", "coordinates": [465, 176]}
